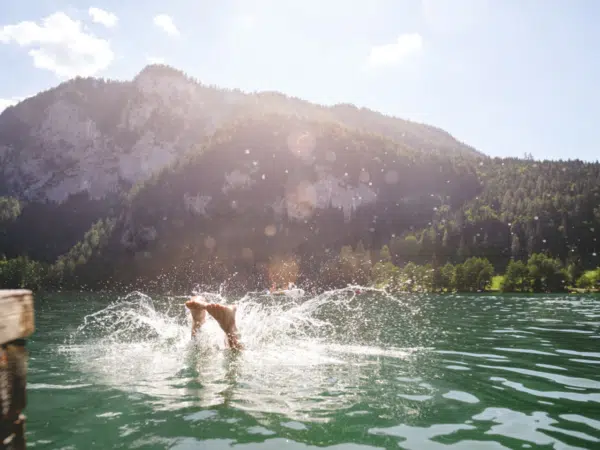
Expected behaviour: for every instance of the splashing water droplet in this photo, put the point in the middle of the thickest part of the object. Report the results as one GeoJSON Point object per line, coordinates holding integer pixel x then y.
{"type": "Point", "coordinates": [270, 230]}
{"type": "Point", "coordinates": [289, 337]}
{"type": "Point", "coordinates": [302, 144]}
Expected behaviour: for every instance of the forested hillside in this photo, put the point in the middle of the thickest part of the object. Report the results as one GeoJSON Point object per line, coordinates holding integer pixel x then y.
{"type": "Point", "coordinates": [525, 207]}
{"type": "Point", "coordinates": [69, 153]}
{"type": "Point", "coordinates": [276, 190]}
{"type": "Point", "coordinates": [266, 188]}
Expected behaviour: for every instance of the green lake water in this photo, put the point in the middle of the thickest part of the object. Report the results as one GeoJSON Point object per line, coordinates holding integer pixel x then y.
{"type": "Point", "coordinates": [338, 371]}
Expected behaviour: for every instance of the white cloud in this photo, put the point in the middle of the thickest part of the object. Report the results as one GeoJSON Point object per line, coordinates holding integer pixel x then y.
{"type": "Point", "coordinates": [61, 45]}
{"type": "Point", "coordinates": [393, 54]}
{"type": "Point", "coordinates": [105, 18]}
{"type": "Point", "coordinates": [165, 22]}
{"type": "Point", "coordinates": [6, 102]}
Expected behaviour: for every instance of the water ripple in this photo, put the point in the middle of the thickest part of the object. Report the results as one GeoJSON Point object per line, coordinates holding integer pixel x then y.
{"type": "Point", "coordinates": [338, 371]}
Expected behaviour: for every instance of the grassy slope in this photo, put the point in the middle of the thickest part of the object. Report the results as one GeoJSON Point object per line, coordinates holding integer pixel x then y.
{"type": "Point", "coordinates": [496, 283]}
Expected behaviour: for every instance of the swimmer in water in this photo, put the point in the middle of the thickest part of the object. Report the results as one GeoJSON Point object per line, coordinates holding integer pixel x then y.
{"type": "Point", "coordinates": [223, 314]}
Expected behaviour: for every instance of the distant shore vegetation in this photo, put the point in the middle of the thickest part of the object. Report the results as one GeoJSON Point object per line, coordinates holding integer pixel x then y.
{"type": "Point", "coordinates": [539, 274]}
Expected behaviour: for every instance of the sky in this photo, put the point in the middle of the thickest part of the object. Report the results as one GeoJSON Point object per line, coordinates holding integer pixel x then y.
{"type": "Point", "coordinates": [508, 77]}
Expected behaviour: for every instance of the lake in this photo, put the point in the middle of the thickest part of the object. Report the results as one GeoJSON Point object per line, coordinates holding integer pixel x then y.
{"type": "Point", "coordinates": [338, 371]}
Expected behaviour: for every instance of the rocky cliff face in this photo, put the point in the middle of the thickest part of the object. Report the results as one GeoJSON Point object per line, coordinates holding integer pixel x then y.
{"type": "Point", "coordinates": [90, 135]}
{"type": "Point", "coordinates": [96, 136]}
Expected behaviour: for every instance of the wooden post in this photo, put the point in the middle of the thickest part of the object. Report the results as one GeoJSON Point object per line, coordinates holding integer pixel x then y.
{"type": "Point", "coordinates": [16, 324]}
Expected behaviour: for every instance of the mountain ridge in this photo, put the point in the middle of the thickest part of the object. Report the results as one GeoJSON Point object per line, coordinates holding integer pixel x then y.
{"type": "Point", "coordinates": [88, 134]}
{"type": "Point", "coordinates": [164, 181]}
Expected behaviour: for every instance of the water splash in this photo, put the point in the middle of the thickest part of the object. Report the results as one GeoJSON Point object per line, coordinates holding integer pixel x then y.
{"type": "Point", "coordinates": [296, 349]}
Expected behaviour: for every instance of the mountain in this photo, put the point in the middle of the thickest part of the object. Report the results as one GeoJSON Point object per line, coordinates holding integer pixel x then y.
{"type": "Point", "coordinates": [97, 136]}
{"type": "Point", "coordinates": [164, 183]}
{"type": "Point", "coordinates": [277, 186]}
{"type": "Point", "coordinates": [69, 153]}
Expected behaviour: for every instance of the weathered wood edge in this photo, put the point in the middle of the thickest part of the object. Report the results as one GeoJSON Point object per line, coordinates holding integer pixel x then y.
{"type": "Point", "coordinates": [16, 315]}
